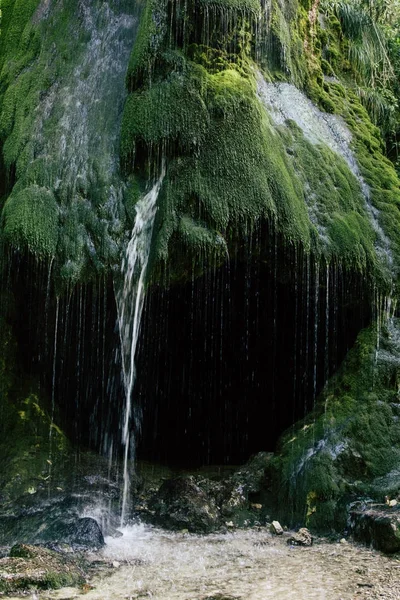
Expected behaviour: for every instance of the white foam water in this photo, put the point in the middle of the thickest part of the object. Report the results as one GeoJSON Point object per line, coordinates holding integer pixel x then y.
{"type": "Point", "coordinates": [130, 299]}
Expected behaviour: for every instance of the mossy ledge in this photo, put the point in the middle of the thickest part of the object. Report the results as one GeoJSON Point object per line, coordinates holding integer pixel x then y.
{"type": "Point", "coordinates": [194, 101]}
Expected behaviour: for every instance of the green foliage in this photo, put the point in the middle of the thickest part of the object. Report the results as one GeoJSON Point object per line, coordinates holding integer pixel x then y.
{"type": "Point", "coordinates": [366, 35]}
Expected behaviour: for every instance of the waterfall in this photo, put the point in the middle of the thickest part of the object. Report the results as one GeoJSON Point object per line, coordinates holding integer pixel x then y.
{"type": "Point", "coordinates": [130, 299]}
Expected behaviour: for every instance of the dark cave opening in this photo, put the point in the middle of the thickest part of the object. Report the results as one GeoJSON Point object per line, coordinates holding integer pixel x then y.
{"type": "Point", "coordinates": [229, 361]}
{"type": "Point", "coordinates": [225, 363]}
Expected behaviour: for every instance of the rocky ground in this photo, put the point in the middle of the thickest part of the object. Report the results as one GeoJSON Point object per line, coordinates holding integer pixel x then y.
{"type": "Point", "coordinates": [251, 564]}
{"type": "Point", "coordinates": [192, 536]}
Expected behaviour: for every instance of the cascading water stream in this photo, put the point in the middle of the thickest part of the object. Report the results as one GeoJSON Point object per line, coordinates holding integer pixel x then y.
{"type": "Point", "coordinates": [130, 299]}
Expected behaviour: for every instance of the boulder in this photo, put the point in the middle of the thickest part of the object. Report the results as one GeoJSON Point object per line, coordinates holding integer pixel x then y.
{"type": "Point", "coordinates": [84, 533]}
{"type": "Point", "coordinates": [181, 504]}
{"type": "Point", "coordinates": [377, 526]}
{"type": "Point", "coordinates": [302, 538]}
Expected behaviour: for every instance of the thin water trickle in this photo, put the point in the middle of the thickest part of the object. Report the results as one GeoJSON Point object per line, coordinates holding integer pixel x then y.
{"type": "Point", "coordinates": [327, 295]}
{"type": "Point", "coordinates": [316, 322]}
{"type": "Point", "coordinates": [53, 400]}
{"type": "Point", "coordinates": [130, 299]}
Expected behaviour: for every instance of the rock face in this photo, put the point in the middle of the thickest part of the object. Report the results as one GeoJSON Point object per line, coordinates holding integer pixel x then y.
{"type": "Point", "coordinates": [182, 504]}
{"type": "Point", "coordinates": [349, 446]}
{"type": "Point", "coordinates": [378, 526]}
{"type": "Point", "coordinates": [83, 533]}
{"type": "Point", "coordinates": [202, 505]}
{"type": "Point", "coordinates": [79, 533]}
{"type": "Point", "coordinates": [53, 517]}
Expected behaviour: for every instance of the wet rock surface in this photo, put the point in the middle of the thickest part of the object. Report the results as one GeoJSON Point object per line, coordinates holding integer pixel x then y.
{"type": "Point", "coordinates": [76, 510]}
{"type": "Point", "coordinates": [203, 504]}
{"type": "Point", "coordinates": [83, 533]}
{"type": "Point", "coordinates": [54, 524]}
{"type": "Point", "coordinates": [378, 526]}
{"type": "Point", "coordinates": [181, 504]}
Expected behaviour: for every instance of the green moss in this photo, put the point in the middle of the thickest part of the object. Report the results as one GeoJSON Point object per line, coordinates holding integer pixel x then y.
{"type": "Point", "coordinates": [377, 171]}
{"type": "Point", "coordinates": [202, 112]}
{"type": "Point", "coordinates": [234, 179]}
{"type": "Point", "coordinates": [16, 31]}
{"type": "Point", "coordinates": [280, 41]}
{"type": "Point", "coordinates": [237, 5]}
{"type": "Point", "coordinates": [351, 439]}
{"type": "Point", "coordinates": [67, 201]}
{"type": "Point", "coordinates": [148, 40]}
{"type": "Point", "coordinates": [30, 220]}
{"type": "Point", "coordinates": [173, 111]}
{"type": "Point", "coordinates": [335, 203]}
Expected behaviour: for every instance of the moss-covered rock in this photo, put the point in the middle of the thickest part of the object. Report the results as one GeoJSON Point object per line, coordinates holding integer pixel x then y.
{"type": "Point", "coordinates": [378, 526]}
{"type": "Point", "coordinates": [32, 446]}
{"type": "Point", "coordinates": [30, 221]}
{"type": "Point", "coordinates": [350, 442]}
{"type": "Point", "coordinates": [58, 86]}
{"type": "Point", "coordinates": [32, 567]}
{"type": "Point", "coordinates": [195, 101]}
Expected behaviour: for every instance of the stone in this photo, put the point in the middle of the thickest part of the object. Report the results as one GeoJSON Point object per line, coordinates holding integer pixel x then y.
{"type": "Point", "coordinates": [83, 533]}
{"type": "Point", "coordinates": [377, 526]}
{"type": "Point", "coordinates": [180, 503]}
{"type": "Point", "coordinates": [276, 528]}
{"type": "Point", "coordinates": [302, 538]}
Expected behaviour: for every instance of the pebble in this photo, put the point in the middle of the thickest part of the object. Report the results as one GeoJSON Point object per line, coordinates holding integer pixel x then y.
{"type": "Point", "coordinates": [276, 528]}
